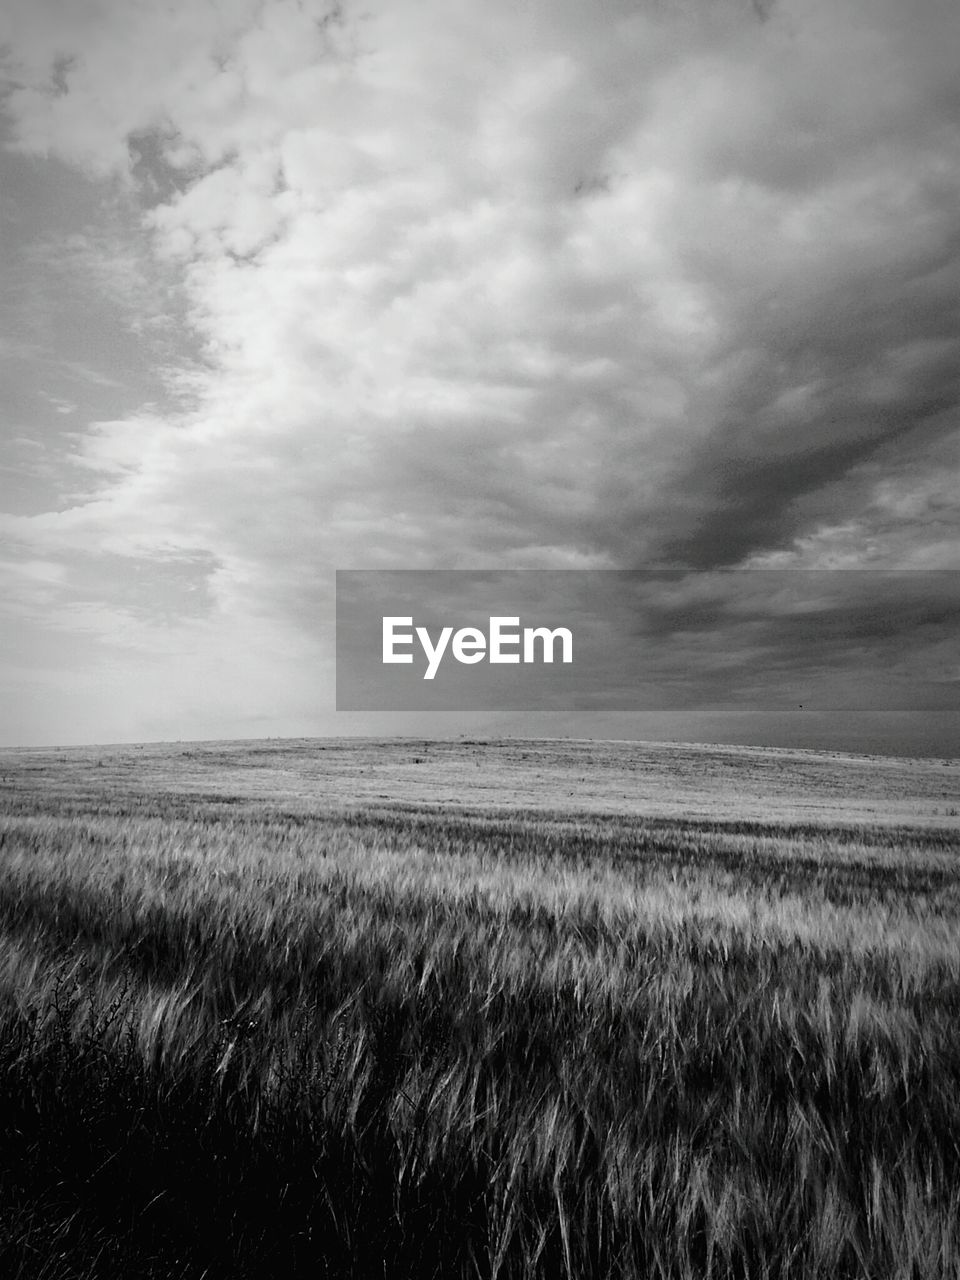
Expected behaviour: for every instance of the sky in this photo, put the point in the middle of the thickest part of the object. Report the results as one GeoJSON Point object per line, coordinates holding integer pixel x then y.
{"type": "Point", "coordinates": [289, 287]}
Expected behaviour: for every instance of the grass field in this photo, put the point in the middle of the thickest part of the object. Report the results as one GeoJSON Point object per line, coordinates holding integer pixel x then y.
{"type": "Point", "coordinates": [404, 1009]}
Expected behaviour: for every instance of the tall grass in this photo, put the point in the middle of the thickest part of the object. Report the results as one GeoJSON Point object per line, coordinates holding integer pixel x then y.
{"type": "Point", "coordinates": [239, 1039]}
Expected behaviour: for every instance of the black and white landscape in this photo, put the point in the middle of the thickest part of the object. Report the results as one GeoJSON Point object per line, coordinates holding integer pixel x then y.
{"type": "Point", "coordinates": [643, 312]}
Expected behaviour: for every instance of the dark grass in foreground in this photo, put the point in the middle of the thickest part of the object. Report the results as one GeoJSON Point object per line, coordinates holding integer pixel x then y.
{"type": "Point", "coordinates": [242, 1041]}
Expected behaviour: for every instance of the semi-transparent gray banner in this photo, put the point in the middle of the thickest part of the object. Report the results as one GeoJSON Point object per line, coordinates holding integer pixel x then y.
{"type": "Point", "coordinates": [646, 639]}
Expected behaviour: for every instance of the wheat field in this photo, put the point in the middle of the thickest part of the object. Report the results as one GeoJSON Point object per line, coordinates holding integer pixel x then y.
{"type": "Point", "coordinates": [478, 1009]}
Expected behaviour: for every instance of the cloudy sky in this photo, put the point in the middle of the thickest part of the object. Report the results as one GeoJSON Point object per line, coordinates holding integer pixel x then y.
{"type": "Point", "coordinates": [287, 288]}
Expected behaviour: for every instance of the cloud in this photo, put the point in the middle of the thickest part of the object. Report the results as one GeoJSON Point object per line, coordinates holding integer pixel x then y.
{"type": "Point", "coordinates": [536, 286]}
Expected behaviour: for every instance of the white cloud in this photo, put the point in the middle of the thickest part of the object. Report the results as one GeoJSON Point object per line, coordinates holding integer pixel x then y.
{"type": "Point", "coordinates": [516, 285]}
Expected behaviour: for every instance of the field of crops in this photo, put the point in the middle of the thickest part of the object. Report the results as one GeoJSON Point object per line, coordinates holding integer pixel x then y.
{"type": "Point", "coordinates": [477, 1010]}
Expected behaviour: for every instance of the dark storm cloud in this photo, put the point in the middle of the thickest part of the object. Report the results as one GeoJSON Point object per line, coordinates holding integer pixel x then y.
{"type": "Point", "coordinates": [877, 362]}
